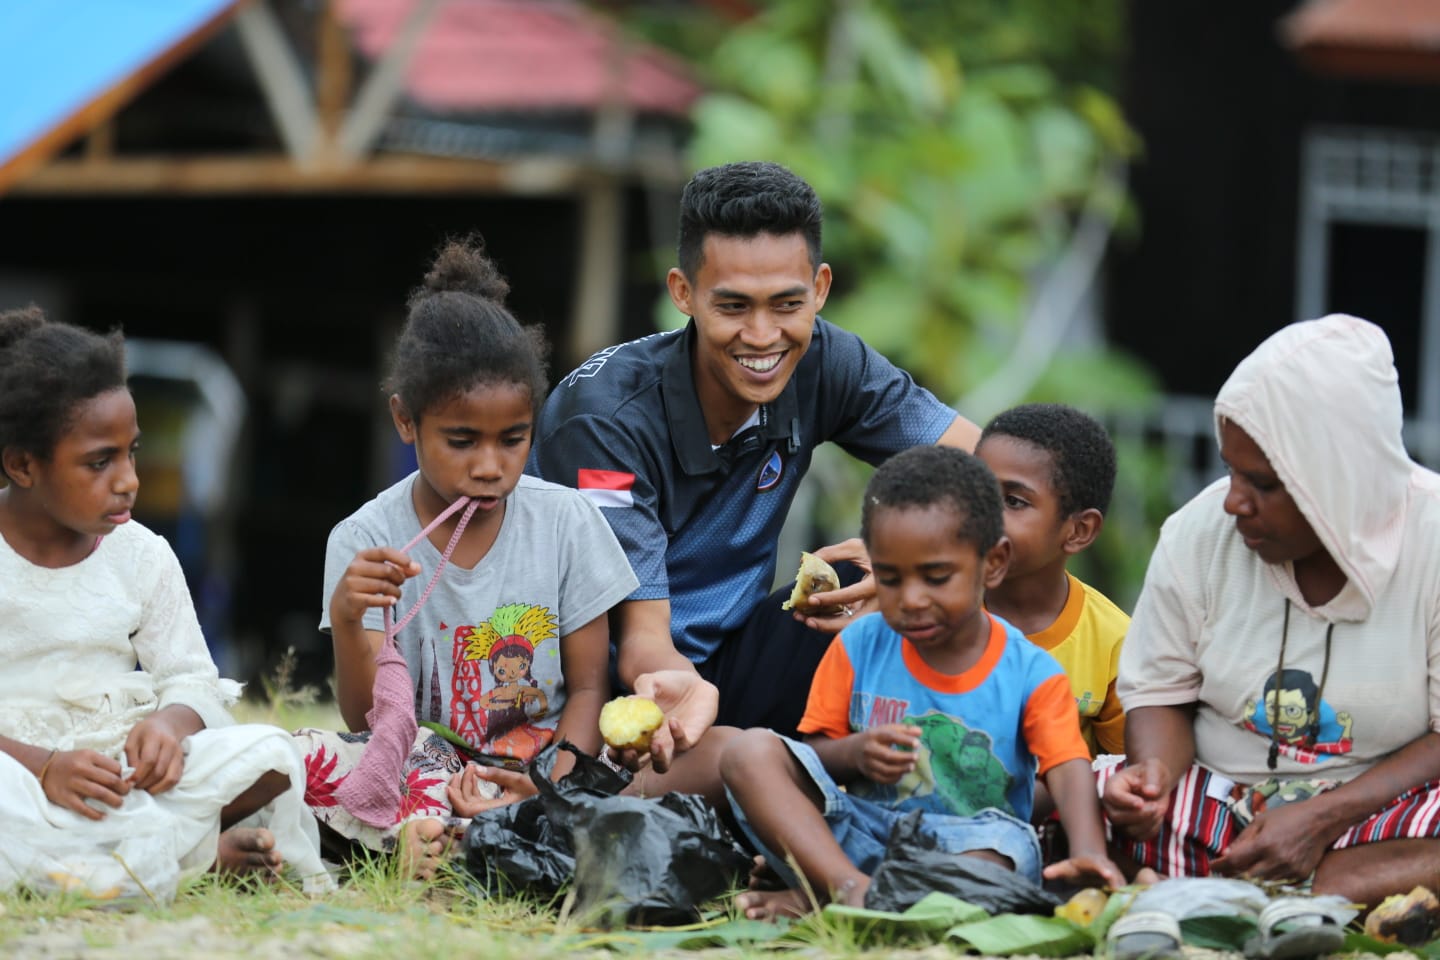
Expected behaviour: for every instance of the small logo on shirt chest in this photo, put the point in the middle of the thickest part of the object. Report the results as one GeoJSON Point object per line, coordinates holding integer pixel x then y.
{"type": "Point", "coordinates": [770, 472]}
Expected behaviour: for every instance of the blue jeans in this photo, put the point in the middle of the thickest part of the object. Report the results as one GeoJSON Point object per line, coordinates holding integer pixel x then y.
{"type": "Point", "coordinates": [862, 827]}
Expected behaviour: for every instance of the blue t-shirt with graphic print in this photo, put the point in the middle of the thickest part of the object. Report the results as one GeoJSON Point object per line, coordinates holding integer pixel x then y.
{"type": "Point", "coordinates": [984, 733]}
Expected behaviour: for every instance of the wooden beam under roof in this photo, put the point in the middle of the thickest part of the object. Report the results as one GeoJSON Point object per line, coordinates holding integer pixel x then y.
{"type": "Point", "coordinates": [278, 174]}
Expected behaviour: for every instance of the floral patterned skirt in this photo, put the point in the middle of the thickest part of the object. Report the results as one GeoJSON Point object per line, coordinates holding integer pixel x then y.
{"type": "Point", "coordinates": [331, 755]}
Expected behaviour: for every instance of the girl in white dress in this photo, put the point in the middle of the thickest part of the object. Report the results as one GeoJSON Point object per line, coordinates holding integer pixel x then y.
{"type": "Point", "coordinates": [114, 782]}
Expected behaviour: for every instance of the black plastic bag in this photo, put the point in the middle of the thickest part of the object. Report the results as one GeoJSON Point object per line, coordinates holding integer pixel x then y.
{"type": "Point", "coordinates": [632, 860]}
{"type": "Point", "coordinates": [913, 867]}
{"type": "Point", "coordinates": [517, 848]}
{"type": "Point", "coordinates": [647, 861]}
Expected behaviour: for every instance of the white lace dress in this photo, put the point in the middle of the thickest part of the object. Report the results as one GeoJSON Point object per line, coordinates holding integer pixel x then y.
{"type": "Point", "coordinates": [70, 642]}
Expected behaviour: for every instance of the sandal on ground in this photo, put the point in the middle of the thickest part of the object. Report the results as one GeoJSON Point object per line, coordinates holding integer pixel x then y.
{"type": "Point", "coordinates": [1144, 935]}
{"type": "Point", "coordinates": [1293, 927]}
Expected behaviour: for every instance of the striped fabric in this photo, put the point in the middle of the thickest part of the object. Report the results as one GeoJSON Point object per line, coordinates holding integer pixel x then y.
{"type": "Point", "coordinates": [1203, 822]}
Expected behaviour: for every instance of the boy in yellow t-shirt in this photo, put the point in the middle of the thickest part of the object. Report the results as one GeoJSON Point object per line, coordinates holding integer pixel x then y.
{"type": "Point", "coordinates": [1056, 468]}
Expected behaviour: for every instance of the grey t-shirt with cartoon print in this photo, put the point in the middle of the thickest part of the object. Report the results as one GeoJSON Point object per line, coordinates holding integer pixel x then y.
{"type": "Point", "coordinates": [484, 650]}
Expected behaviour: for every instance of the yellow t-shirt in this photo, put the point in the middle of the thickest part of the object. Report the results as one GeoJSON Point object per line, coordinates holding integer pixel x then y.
{"type": "Point", "coordinates": [1086, 639]}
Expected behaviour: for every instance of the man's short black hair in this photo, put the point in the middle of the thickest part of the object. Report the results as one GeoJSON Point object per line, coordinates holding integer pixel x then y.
{"type": "Point", "coordinates": [939, 476]}
{"type": "Point", "coordinates": [745, 200]}
{"type": "Point", "coordinates": [1082, 455]}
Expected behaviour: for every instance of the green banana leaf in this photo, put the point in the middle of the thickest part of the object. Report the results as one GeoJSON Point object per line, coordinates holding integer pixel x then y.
{"type": "Point", "coordinates": [926, 920]}
{"type": "Point", "coordinates": [447, 733]}
{"type": "Point", "coordinates": [1011, 933]}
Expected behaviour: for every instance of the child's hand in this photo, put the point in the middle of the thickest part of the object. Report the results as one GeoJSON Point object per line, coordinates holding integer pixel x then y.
{"type": "Point", "coordinates": [885, 754]}
{"type": "Point", "coordinates": [373, 579]}
{"type": "Point", "coordinates": [154, 751]}
{"type": "Point", "coordinates": [1091, 870]}
{"type": "Point", "coordinates": [74, 776]}
{"type": "Point", "coordinates": [469, 795]}
{"type": "Point", "coordinates": [1137, 799]}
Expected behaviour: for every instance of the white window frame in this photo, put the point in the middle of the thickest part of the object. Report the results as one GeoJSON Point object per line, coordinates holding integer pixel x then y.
{"type": "Point", "coordinates": [1375, 177]}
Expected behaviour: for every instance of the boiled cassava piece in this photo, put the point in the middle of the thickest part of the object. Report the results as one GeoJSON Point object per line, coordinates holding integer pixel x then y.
{"type": "Point", "coordinates": [626, 723]}
{"type": "Point", "coordinates": [815, 576]}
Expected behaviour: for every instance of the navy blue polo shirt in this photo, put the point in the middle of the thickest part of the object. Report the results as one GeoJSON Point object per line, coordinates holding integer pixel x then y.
{"type": "Point", "coordinates": [701, 525]}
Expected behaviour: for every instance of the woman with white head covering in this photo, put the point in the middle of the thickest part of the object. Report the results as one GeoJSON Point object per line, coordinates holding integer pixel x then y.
{"type": "Point", "coordinates": [1281, 676]}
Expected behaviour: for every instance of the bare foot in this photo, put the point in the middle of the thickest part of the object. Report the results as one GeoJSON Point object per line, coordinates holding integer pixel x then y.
{"type": "Point", "coordinates": [421, 847]}
{"type": "Point", "coordinates": [770, 904]}
{"type": "Point", "coordinates": [246, 851]}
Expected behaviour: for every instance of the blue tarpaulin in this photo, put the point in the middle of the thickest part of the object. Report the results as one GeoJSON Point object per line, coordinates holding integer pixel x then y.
{"type": "Point", "coordinates": [59, 58]}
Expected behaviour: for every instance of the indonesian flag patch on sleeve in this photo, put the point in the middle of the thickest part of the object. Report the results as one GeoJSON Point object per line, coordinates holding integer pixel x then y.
{"type": "Point", "coordinates": [607, 488]}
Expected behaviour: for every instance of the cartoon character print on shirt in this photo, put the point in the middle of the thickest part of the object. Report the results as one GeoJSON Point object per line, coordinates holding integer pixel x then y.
{"type": "Point", "coordinates": [493, 697]}
{"type": "Point", "coordinates": [966, 773]}
{"type": "Point", "coordinates": [1306, 728]}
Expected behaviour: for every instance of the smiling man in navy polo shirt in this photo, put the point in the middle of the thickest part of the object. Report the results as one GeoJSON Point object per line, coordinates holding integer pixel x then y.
{"type": "Point", "coordinates": [693, 444]}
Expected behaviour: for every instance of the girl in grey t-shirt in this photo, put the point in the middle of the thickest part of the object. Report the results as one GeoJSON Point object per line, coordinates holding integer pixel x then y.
{"type": "Point", "coordinates": [510, 650]}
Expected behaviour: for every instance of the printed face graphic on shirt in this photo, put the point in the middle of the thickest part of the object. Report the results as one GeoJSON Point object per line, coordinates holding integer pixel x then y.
{"type": "Point", "coordinates": [1288, 714]}
{"type": "Point", "coordinates": [494, 696]}
{"type": "Point", "coordinates": [514, 667]}
{"type": "Point", "coordinates": [1304, 726]}
{"type": "Point", "coordinates": [966, 772]}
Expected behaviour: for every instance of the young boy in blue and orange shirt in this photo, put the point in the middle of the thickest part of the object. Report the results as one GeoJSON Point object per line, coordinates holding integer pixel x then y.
{"type": "Point", "coordinates": [932, 705]}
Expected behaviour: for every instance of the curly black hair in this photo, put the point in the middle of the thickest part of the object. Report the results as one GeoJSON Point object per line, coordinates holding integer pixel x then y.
{"type": "Point", "coordinates": [1082, 455]}
{"type": "Point", "coordinates": [47, 370]}
{"type": "Point", "coordinates": [459, 335]}
{"type": "Point", "coordinates": [745, 200]}
{"type": "Point", "coordinates": [930, 476]}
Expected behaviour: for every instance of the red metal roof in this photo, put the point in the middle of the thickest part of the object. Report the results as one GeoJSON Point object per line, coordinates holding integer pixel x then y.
{"type": "Point", "coordinates": [521, 55]}
{"type": "Point", "coordinates": [1390, 39]}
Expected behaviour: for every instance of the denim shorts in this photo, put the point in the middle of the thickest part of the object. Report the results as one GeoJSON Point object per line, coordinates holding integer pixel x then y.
{"type": "Point", "coordinates": [862, 827]}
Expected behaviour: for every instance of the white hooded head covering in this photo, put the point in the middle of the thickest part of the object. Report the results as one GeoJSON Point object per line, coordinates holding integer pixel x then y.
{"type": "Point", "coordinates": [1321, 398]}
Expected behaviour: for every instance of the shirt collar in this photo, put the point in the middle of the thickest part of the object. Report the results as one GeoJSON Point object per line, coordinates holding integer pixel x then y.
{"type": "Point", "coordinates": [688, 435]}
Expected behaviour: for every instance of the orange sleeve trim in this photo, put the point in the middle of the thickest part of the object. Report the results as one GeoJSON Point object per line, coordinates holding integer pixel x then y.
{"type": "Point", "coordinates": [1109, 727]}
{"type": "Point", "coordinates": [827, 711]}
{"type": "Point", "coordinates": [958, 682]}
{"type": "Point", "coordinates": [1052, 726]}
{"type": "Point", "coordinates": [1064, 625]}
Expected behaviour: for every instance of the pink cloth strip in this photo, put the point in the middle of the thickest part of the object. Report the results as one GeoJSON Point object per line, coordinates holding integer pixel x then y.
{"type": "Point", "coordinates": [371, 793]}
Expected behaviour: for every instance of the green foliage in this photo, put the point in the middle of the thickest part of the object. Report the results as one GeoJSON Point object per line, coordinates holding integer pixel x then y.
{"type": "Point", "coordinates": [951, 143]}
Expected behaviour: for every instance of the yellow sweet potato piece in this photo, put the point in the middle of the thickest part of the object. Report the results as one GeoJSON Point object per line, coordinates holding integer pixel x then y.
{"type": "Point", "coordinates": [626, 723]}
{"type": "Point", "coordinates": [1083, 907]}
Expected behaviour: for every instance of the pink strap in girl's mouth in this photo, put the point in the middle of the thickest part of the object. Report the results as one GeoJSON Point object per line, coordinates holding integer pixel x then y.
{"type": "Point", "coordinates": [371, 791]}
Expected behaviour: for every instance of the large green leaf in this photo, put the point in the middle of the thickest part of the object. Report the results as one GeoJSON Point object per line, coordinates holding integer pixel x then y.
{"type": "Point", "coordinates": [737, 932]}
{"type": "Point", "coordinates": [1010, 934]}
{"type": "Point", "coordinates": [929, 919]}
